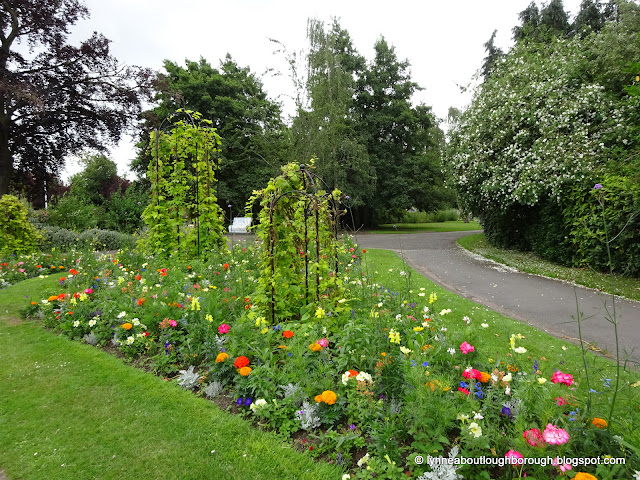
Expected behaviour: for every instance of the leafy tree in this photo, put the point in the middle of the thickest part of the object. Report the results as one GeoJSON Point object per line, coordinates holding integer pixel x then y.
{"type": "Point", "coordinates": [249, 123]}
{"type": "Point", "coordinates": [55, 98]}
{"type": "Point", "coordinates": [96, 182]}
{"type": "Point", "coordinates": [326, 131]}
{"type": "Point", "coordinates": [590, 18]}
{"type": "Point", "coordinates": [494, 54]}
{"type": "Point", "coordinates": [554, 17]}
{"type": "Point", "coordinates": [530, 20]}
{"type": "Point", "coordinates": [402, 140]}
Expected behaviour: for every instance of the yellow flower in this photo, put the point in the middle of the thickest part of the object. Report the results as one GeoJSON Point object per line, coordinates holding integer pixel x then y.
{"type": "Point", "coordinates": [244, 371]}
{"type": "Point", "coordinates": [433, 297]}
{"type": "Point", "coordinates": [222, 356]}
{"type": "Point", "coordinates": [542, 380]}
{"type": "Point", "coordinates": [394, 336]}
{"type": "Point", "coordinates": [127, 326]}
{"type": "Point", "coordinates": [319, 312]}
{"type": "Point", "coordinates": [584, 476]}
{"type": "Point", "coordinates": [318, 398]}
{"type": "Point", "coordinates": [208, 318]}
{"type": "Point", "coordinates": [418, 329]}
{"type": "Point", "coordinates": [314, 347]}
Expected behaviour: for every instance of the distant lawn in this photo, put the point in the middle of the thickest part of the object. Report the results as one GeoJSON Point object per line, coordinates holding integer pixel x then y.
{"type": "Point", "coordinates": [529, 262]}
{"type": "Point", "coordinates": [457, 226]}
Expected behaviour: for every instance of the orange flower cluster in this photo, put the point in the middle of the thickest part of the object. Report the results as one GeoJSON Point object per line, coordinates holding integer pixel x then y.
{"type": "Point", "coordinates": [327, 397]}
{"type": "Point", "coordinates": [287, 334]}
{"type": "Point", "coordinates": [127, 326]}
{"type": "Point", "coordinates": [314, 347]}
{"type": "Point", "coordinates": [241, 361]}
{"type": "Point", "coordinates": [222, 357]}
{"type": "Point", "coordinates": [244, 371]}
{"type": "Point", "coordinates": [599, 422]}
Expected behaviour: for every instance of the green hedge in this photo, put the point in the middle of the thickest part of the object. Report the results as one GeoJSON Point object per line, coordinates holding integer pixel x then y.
{"type": "Point", "coordinates": [94, 238]}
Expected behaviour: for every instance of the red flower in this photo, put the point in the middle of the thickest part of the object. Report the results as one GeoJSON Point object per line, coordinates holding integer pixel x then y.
{"type": "Point", "coordinates": [241, 361]}
{"type": "Point", "coordinates": [73, 271]}
{"type": "Point", "coordinates": [138, 277]}
{"type": "Point", "coordinates": [463, 390]}
{"type": "Point", "coordinates": [225, 266]}
{"type": "Point", "coordinates": [287, 334]}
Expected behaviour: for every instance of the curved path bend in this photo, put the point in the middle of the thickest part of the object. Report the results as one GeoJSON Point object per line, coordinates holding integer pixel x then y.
{"type": "Point", "coordinates": [544, 303]}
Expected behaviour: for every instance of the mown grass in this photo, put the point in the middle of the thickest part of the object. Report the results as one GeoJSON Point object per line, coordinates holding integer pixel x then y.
{"type": "Point", "coordinates": [529, 262]}
{"type": "Point", "coordinates": [454, 226]}
{"type": "Point", "coordinates": [68, 410]}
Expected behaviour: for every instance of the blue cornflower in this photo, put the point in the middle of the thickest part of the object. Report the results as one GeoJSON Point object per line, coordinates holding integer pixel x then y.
{"type": "Point", "coordinates": [606, 382]}
{"type": "Point", "coordinates": [413, 364]}
{"type": "Point", "coordinates": [506, 411]}
{"type": "Point", "coordinates": [425, 364]}
{"type": "Point", "coordinates": [464, 385]}
{"type": "Point", "coordinates": [535, 365]}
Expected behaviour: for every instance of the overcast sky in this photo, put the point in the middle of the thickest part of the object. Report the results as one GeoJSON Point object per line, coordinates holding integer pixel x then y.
{"type": "Point", "coordinates": [443, 40]}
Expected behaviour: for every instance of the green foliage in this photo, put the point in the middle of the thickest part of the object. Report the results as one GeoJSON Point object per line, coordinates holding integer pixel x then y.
{"type": "Point", "coordinates": [17, 235]}
{"type": "Point", "coordinates": [610, 215]}
{"type": "Point", "coordinates": [73, 212]}
{"type": "Point", "coordinates": [298, 264]}
{"type": "Point", "coordinates": [183, 215]}
{"type": "Point", "coordinates": [123, 211]}
{"type": "Point", "coordinates": [95, 239]}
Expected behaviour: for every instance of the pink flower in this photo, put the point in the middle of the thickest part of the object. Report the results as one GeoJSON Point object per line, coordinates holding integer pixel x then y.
{"type": "Point", "coordinates": [88, 291]}
{"type": "Point", "coordinates": [466, 348]}
{"type": "Point", "coordinates": [514, 457]}
{"type": "Point", "coordinates": [555, 435]}
{"type": "Point", "coordinates": [563, 467]}
{"type": "Point", "coordinates": [560, 401]}
{"type": "Point", "coordinates": [21, 270]}
{"type": "Point", "coordinates": [534, 437]}
{"type": "Point", "coordinates": [559, 377]}
{"type": "Point", "coordinates": [173, 323]}
{"type": "Point", "coordinates": [323, 342]}
{"type": "Point", "coordinates": [471, 373]}
{"type": "Point", "coordinates": [223, 328]}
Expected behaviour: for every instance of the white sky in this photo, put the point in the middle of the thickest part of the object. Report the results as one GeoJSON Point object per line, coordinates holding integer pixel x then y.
{"type": "Point", "coordinates": [443, 40]}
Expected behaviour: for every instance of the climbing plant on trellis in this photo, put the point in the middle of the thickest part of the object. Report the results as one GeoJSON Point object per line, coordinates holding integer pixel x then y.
{"type": "Point", "coordinates": [298, 227]}
{"type": "Point", "coordinates": [183, 216]}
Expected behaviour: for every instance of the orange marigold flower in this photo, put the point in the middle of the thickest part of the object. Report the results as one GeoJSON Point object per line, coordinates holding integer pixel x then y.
{"type": "Point", "coordinates": [599, 422]}
{"type": "Point", "coordinates": [127, 326]}
{"type": "Point", "coordinates": [52, 298]}
{"type": "Point", "coordinates": [314, 347]}
{"type": "Point", "coordinates": [33, 303]}
{"type": "Point", "coordinates": [244, 371]}
{"type": "Point", "coordinates": [241, 361]}
{"type": "Point", "coordinates": [329, 397]}
{"type": "Point", "coordinates": [318, 398]}
{"type": "Point", "coordinates": [484, 377]}
{"type": "Point", "coordinates": [287, 334]}
{"type": "Point", "coordinates": [222, 356]}
{"type": "Point", "coordinates": [584, 476]}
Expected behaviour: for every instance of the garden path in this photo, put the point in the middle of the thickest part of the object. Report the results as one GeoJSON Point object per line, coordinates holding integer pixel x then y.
{"type": "Point", "coordinates": [544, 303]}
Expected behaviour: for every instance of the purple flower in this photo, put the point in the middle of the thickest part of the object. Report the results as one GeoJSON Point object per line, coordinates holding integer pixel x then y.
{"type": "Point", "coordinates": [347, 197]}
{"type": "Point", "coordinates": [597, 186]}
{"type": "Point", "coordinates": [247, 402]}
{"type": "Point", "coordinates": [229, 206]}
{"type": "Point", "coordinates": [240, 401]}
{"type": "Point", "coordinates": [352, 427]}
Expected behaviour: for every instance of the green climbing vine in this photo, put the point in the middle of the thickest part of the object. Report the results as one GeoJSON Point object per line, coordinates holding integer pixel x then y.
{"type": "Point", "coordinates": [297, 226]}
{"type": "Point", "coordinates": [183, 215]}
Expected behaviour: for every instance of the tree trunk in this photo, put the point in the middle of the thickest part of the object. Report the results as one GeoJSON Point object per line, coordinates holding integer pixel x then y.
{"type": "Point", "coordinates": [6, 161]}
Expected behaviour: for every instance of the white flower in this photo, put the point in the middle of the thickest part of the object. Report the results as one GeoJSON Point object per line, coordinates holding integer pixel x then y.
{"type": "Point", "coordinates": [475, 429]}
{"type": "Point", "coordinates": [445, 311]}
{"type": "Point", "coordinates": [346, 476]}
{"type": "Point", "coordinates": [484, 325]}
{"type": "Point", "coordinates": [405, 350]}
{"type": "Point", "coordinates": [135, 322]}
{"type": "Point", "coordinates": [398, 316]}
{"type": "Point", "coordinates": [462, 417]}
{"type": "Point", "coordinates": [520, 350]}
{"type": "Point", "coordinates": [76, 323]}
{"type": "Point", "coordinates": [363, 460]}
{"type": "Point", "coordinates": [92, 322]}
{"type": "Point", "coordinates": [261, 402]}
{"type": "Point", "coordinates": [477, 416]}
{"type": "Point", "coordinates": [122, 314]}
{"type": "Point", "coordinates": [402, 273]}
{"type": "Point", "coordinates": [130, 340]}
{"type": "Point", "coordinates": [425, 309]}
{"type": "Point", "coordinates": [364, 377]}
{"type": "Point", "coordinates": [466, 319]}
{"type": "Point", "coordinates": [421, 294]}
{"type": "Point", "coordinates": [452, 351]}
{"type": "Point", "coordinates": [507, 378]}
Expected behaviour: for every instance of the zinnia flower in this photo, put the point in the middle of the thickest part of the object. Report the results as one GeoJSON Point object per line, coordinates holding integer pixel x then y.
{"type": "Point", "coordinates": [534, 437]}
{"type": "Point", "coordinates": [241, 361]}
{"type": "Point", "coordinates": [555, 435]}
{"type": "Point", "coordinates": [223, 328]}
{"type": "Point", "coordinates": [466, 348]}
{"type": "Point", "coordinates": [244, 371]}
{"type": "Point", "coordinates": [222, 356]}
{"type": "Point", "coordinates": [287, 334]}
{"type": "Point", "coordinates": [514, 457]}
{"type": "Point", "coordinates": [127, 326]}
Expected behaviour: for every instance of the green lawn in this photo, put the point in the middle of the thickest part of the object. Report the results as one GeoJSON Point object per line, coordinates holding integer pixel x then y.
{"type": "Point", "coordinates": [457, 226]}
{"type": "Point", "coordinates": [71, 411]}
{"type": "Point", "coordinates": [529, 262]}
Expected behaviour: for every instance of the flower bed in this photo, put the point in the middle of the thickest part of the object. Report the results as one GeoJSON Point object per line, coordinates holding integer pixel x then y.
{"type": "Point", "coordinates": [379, 383]}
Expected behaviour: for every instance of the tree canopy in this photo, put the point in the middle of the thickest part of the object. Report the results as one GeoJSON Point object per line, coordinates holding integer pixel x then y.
{"type": "Point", "coordinates": [55, 98]}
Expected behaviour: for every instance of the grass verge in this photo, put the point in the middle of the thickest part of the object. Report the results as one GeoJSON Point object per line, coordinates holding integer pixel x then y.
{"type": "Point", "coordinates": [455, 226]}
{"type": "Point", "coordinates": [528, 262]}
{"type": "Point", "coordinates": [68, 410]}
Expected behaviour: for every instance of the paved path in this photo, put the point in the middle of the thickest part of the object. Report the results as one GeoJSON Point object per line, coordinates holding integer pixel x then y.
{"type": "Point", "coordinates": [543, 303]}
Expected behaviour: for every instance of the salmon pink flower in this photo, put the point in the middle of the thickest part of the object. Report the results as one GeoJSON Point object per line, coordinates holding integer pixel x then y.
{"type": "Point", "coordinates": [555, 435]}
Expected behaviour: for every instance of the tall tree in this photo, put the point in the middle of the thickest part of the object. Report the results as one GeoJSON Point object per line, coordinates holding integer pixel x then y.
{"type": "Point", "coordinates": [325, 131]}
{"type": "Point", "coordinates": [529, 22]}
{"type": "Point", "coordinates": [554, 17]}
{"type": "Point", "coordinates": [403, 141]}
{"type": "Point", "coordinates": [250, 124]}
{"type": "Point", "coordinates": [57, 99]}
{"type": "Point", "coordinates": [494, 54]}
